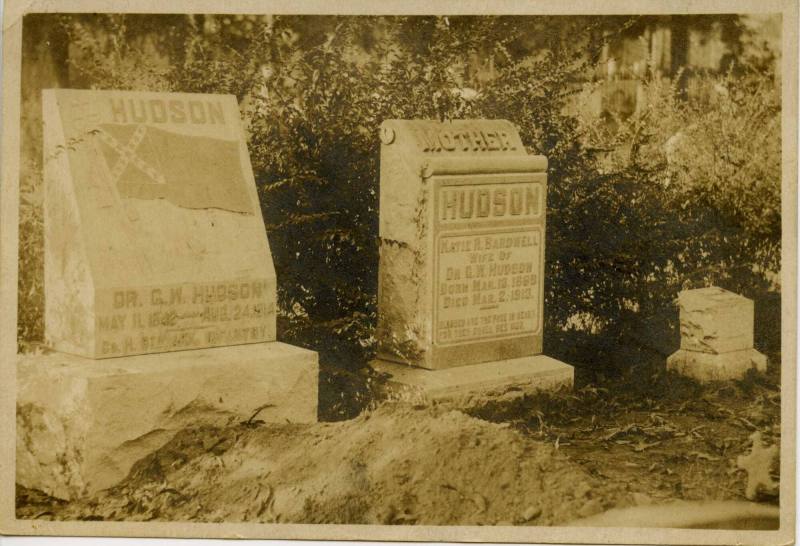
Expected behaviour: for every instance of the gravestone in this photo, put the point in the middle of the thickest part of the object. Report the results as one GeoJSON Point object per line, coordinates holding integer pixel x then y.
{"type": "Point", "coordinates": [154, 239]}
{"type": "Point", "coordinates": [159, 287]}
{"type": "Point", "coordinates": [716, 329]}
{"type": "Point", "coordinates": [462, 230]}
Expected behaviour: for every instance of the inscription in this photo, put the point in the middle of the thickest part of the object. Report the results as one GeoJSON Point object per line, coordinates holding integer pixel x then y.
{"type": "Point", "coordinates": [490, 201]}
{"type": "Point", "coordinates": [187, 316]}
{"type": "Point", "coordinates": [193, 111]}
{"type": "Point", "coordinates": [487, 286]}
{"type": "Point", "coordinates": [465, 141]}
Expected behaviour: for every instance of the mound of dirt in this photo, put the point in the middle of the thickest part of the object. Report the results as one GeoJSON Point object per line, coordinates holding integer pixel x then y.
{"type": "Point", "coordinates": [395, 465]}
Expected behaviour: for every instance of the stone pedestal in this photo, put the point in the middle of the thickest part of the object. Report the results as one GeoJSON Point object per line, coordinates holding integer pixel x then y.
{"type": "Point", "coordinates": [716, 336]}
{"type": "Point", "coordinates": [477, 381]}
{"type": "Point", "coordinates": [716, 366]}
{"type": "Point", "coordinates": [462, 231]}
{"type": "Point", "coordinates": [82, 423]}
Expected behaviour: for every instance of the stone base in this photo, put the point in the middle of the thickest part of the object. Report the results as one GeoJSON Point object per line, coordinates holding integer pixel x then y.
{"type": "Point", "coordinates": [467, 383]}
{"type": "Point", "coordinates": [82, 423]}
{"type": "Point", "coordinates": [705, 367]}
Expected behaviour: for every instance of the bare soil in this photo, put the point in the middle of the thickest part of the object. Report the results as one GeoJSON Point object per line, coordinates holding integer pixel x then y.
{"type": "Point", "coordinates": [663, 435]}
{"type": "Point", "coordinates": [545, 459]}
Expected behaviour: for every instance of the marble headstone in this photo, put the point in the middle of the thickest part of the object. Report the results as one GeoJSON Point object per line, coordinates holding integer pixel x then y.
{"type": "Point", "coordinates": [154, 239]}
{"type": "Point", "coordinates": [462, 253]}
{"type": "Point", "coordinates": [462, 230]}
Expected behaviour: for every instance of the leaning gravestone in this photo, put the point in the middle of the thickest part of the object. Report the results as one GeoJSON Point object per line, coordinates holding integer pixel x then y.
{"type": "Point", "coordinates": [462, 220]}
{"type": "Point", "coordinates": [159, 287]}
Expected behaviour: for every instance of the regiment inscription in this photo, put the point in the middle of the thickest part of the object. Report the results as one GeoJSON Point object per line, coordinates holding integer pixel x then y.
{"type": "Point", "coordinates": [182, 316]}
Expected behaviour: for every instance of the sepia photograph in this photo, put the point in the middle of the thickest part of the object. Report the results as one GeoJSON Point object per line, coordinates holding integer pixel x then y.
{"type": "Point", "coordinates": [441, 275]}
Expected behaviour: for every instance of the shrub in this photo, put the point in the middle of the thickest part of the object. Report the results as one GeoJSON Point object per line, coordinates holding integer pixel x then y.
{"type": "Point", "coordinates": [714, 160]}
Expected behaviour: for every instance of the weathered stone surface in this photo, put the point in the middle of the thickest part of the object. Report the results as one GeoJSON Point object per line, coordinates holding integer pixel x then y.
{"type": "Point", "coordinates": [716, 328]}
{"type": "Point", "coordinates": [154, 239]}
{"type": "Point", "coordinates": [466, 384]}
{"type": "Point", "coordinates": [713, 320]}
{"type": "Point", "coordinates": [81, 423]}
{"type": "Point", "coordinates": [462, 243]}
{"type": "Point", "coordinates": [716, 366]}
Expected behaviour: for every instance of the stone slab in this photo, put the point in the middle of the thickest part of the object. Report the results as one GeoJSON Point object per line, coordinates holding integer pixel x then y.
{"type": "Point", "coordinates": [681, 514]}
{"type": "Point", "coordinates": [705, 367]}
{"type": "Point", "coordinates": [153, 233]}
{"type": "Point", "coordinates": [525, 374]}
{"type": "Point", "coordinates": [82, 423]}
{"type": "Point", "coordinates": [462, 220]}
{"type": "Point", "coordinates": [714, 320]}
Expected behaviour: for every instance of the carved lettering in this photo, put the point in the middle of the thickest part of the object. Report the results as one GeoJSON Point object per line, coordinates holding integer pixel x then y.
{"type": "Point", "coordinates": [430, 141]}
{"type": "Point", "coordinates": [466, 204]}
{"type": "Point", "coordinates": [492, 143]}
{"type": "Point", "coordinates": [480, 143]}
{"type": "Point", "coordinates": [487, 286]}
{"type": "Point", "coordinates": [215, 114]}
{"type": "Point", "coordinates": [197, 112]}
{"type": "Point", "coordinates": [499, 202]}
{"type": "Point", "coordinates": [137, 110]}
{"type": "Point", "coordinates": [449, 205]}
{"type": "Point", "coordinates": [483, 203]}
{"type": "Point", "coordinates": [447, 140]}
{"type": "Point", "coordinates": [491, 201]}
{"type": "Point", "coordinates": [159, 111]}
{"type": "Point", "coordinates": [177, 112]}
{"type": "Point", "coordinates": [118, 111]}
{"type": "Point", "coordinates": [169, 317]}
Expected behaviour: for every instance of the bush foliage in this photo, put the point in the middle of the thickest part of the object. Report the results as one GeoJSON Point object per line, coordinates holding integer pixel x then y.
{"type": "Point", "coordinates": [685, 192]}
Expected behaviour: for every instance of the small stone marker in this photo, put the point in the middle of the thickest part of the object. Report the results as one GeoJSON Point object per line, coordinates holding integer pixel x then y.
{"type": "Point", "coordinates": [716, 336]}
{"type": "Point", "coordinates": [159, 289]}
{"type": "Point", "coordinates": [462, 216]}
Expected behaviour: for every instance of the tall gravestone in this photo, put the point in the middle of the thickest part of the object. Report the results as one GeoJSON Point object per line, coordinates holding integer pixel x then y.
{"type": "Point", "coordinates": [154, 239]}
{"type": "Point", "coordinates": [462, 229]}
{"type": "Point", "coordinates": [159, 286]}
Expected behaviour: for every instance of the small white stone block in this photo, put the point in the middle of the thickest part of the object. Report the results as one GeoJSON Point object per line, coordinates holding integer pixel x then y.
{"type": "Point", "coordinates": [705, 367]}
{"type": "Point", "coordinates": [527, 374]}
{"type": "Point", "coordinates": [83, 423]}
{"type": "Point", "coordinates": [713, 320]}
